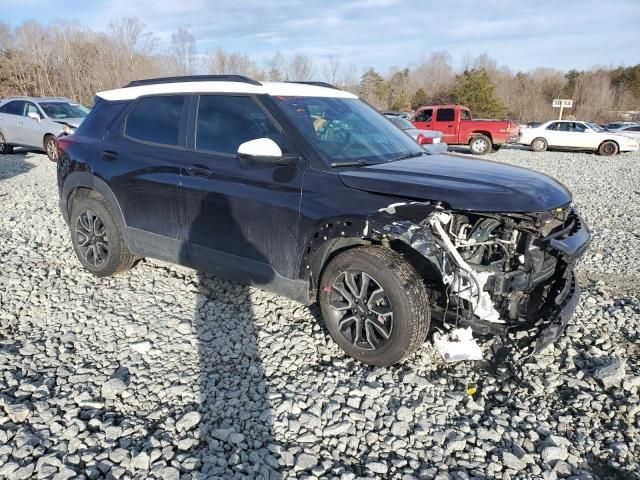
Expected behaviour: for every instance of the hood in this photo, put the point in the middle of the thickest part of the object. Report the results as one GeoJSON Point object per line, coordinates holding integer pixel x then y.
{"type": "Point", "coordinates": [463, 183]}
{"type": "Point", "coordinates": [74, 122]}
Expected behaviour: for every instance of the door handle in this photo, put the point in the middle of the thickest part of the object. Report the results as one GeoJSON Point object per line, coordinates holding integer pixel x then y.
{"type": "Point", "coordinates": [199, 171]}
{"type": "Point", "coordinates": [449, 126]}
{"type": "Point", "coordinates": [109, 155]}
{"type": "Point", "coordinates": [20, 123]}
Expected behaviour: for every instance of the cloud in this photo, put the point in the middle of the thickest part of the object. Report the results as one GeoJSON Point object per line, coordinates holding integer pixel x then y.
{"type": "Point", "coordinates": [381, 33]}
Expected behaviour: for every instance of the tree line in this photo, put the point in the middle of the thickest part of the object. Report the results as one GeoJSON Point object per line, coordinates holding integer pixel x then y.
{"type": "Point", "coordinates": [70, 60]}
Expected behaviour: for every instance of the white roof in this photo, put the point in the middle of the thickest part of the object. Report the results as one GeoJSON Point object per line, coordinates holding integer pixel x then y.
{"type": "Point", "coordinates": [268, 88]}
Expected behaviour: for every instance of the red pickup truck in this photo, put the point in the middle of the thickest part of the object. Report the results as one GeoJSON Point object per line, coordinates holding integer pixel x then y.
{"type": "Point", "coordinates": [458, 127]}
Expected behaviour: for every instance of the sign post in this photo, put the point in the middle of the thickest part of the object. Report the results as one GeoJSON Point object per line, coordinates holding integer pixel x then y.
{"type": "Point", "coordinates": [562, 103]}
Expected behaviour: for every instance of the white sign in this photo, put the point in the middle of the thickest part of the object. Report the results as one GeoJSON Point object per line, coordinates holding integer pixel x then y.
{"type": "Point", "coordinates": [562, 103]}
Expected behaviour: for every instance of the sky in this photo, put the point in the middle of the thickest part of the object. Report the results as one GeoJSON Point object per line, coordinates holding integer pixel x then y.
{"type": "Point", "coordinates": [522, 35]}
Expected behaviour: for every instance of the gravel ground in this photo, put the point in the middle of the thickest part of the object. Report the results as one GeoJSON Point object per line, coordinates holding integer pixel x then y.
{"type": "Point", "coordinates": [164, 372]}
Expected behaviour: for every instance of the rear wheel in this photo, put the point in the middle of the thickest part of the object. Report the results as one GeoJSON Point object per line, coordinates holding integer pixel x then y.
{"type": "Point", "coordinates": [4, 148]}
{"type": "Point", "coordinates": [96, 238]}
{"type": "Point", "coordinates": [51, 147]}
{"type": "Point", "coordinates": [608, 148]}
{"type": "Point", "coordinates": [539, 144]}
{"type": "Point", "coordinates": [375, 305]}
{"type": "Point", "coordinates": [480, 144]}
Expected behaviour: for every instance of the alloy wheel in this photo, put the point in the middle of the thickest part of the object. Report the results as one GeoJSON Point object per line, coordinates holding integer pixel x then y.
{"type": "Point", "coordinates": [365, 314]}
{"type": "Point", "coordinates": [91, 237]}
{"type": "Point", "coordinates": [52, 150]}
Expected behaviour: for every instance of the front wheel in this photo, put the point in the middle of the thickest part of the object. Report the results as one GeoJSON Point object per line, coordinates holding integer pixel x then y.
{"type": "Point", "coordinates": [51, 147]}
{"type": "Point", "coordinates": [4, 148]}
{"type": "Point", "coordinates": [375, 305]}
{"type": "Point", "coordinates": [608, 148]}
{"type": "Point", "coordinates": [480, 144]}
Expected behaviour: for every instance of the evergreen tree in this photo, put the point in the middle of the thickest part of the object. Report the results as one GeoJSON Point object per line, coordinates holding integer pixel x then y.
{"type": "Point", "coordinates": [475, 90]}
{"type": "Point", "coordinates": [419, 98]}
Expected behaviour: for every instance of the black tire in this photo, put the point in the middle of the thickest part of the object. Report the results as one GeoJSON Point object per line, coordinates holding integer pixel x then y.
{"type": "Point", "coordinates": [402, 293]}
{"type": "Point", "coordinates": [50, 145]}
{"type": "Point", "coordinates": [4, 148]}
{"type": "Point", "coordinates": [480, 145]}
{"type": "Point", "coordinates": [539, 144]}
{"type": "Point", "coordinates": [96, 238]}
{"type": "Point", "coordinates": [608, 148]}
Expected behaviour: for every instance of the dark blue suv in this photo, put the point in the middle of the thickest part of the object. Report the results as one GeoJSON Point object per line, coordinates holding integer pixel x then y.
{"type": "Point", "coordinates": [304, 190]}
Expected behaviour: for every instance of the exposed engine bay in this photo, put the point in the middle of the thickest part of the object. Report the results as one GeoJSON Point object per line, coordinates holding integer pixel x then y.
{"type": "Point", "coordinates": [489, 271]}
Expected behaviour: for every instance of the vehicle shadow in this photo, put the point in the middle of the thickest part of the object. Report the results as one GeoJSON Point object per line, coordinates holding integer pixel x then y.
{"type": "Point", "coordinates": [14, 164]}
{"type": "Point", "coordinates": [235, 428]}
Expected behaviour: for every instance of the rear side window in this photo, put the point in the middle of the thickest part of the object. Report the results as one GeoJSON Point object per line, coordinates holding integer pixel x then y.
{"type": "Point", "coordinates": [100, 118]}
{"type": "Point", "coordinates": [156, 119]}
{"type": "Point", "coordinates": [553, 126]}
{"type": "Point", "coordinates": [14, 108]}
{"type": "Point", "coordinates": [224, 122]}
{"type": "Point", "coordinates": [445, 115]}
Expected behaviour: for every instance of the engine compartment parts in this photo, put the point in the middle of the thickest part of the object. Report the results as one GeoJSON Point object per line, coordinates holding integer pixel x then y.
{"type": "Point", "coordinates": [457, 345]}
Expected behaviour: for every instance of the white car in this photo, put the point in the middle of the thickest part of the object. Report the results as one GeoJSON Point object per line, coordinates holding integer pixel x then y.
{"type": "Point", "coordinates": [574, 135]}
{"type": "Point", "coordinates": [631, 131]}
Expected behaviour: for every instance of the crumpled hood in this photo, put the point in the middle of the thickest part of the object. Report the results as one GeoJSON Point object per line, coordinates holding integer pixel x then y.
{"type": "Point", "coordinates": [74, 122]}
{"type": "Point", "coordinates": [463, 183]}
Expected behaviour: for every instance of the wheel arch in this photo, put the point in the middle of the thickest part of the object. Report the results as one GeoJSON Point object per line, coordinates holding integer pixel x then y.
{"type": "Point", "coordinates": [339, 235]}
{"type": "Point", "coordinates": [84, 183]}
{"type": "Point", "coordinates": [615, 142]}
{"type": "Point", "coordinates": [476, 133]}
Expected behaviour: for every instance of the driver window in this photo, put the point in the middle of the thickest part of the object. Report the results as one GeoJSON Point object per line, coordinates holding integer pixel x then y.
{"type": "Point", "coordinates": [31, 108]}
{"type": "Point", "coordinates": [424, 116]}
{"type": "Point", "coordinates": [579, 127]}
{"type": "Point", "coordinates": [465, 115]}
{"type": "Point", "coordinates": [224, 122]}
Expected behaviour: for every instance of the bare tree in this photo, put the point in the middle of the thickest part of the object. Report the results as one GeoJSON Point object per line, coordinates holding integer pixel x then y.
{"type": "Point", "coordinates": [301, 68]}
{"type": "Point", "coordinates": [183, 51]}
{"type": "Point", "coordinates": [331, 69]}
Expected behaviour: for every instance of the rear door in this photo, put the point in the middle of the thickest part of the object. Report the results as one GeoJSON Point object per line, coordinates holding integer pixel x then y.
{"type": "Point", "coordinates": [445, 122]}
{"type": "Point", "coordinates": [141, 160]}
{"type": "Point", "coordinates": [241, 219]}
{"type": "Point", "coordinates": [423, 119]}
{"type": "Point", "coordinates": [11, 114]}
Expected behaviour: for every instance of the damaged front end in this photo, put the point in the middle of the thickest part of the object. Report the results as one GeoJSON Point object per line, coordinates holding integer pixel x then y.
{"type": "Point", "coordinates": [494, 273]}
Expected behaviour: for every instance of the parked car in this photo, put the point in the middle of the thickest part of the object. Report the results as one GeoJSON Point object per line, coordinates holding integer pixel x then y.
{"type": "Point", "coordinates": [398, 114]}
{"type": "Point", "coordinates": [617, 125]}
{"type": "Point", "coordinates": [36, 122]}
{"type": "Point", "coordinates": [631, 131]}
{"type": "Point", "coordinates": [573, 135]}
{"type": "Point", "coordinates": [429, 139]}
{"type": "Point", "coordinates": [458, 127]}
{"type": "Point", "coordinates": [235, 177]}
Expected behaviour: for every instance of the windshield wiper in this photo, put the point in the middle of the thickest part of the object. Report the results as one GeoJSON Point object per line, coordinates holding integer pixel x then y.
{"type": "Point", "coordinates": [351, 163]}
{"type": "Point", "coordinates": [409, 155]}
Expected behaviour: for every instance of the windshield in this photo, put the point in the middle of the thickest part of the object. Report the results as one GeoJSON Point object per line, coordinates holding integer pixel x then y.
{"type": "Point", "coordinates": [62, 110]}
{"type": "Point", "coordinates": [401, 122]}
{"type": "Point", "coordinates": [347, 130]}
{"type": "Point", "coordinates": [595, 128]}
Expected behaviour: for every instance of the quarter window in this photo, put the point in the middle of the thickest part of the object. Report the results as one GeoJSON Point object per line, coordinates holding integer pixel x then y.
{"type": "Point", "coordinates": [445, 115]}
{"type": "Point", "coordinates": [224, 122]}
{"type": "Point", "coordinates": [156, 119]}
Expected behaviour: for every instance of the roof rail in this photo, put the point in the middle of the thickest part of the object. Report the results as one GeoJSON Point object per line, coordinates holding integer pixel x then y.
{"type": "Point", "coordinates": [193, 78]}
{"type": "Point", "coordinates": [317, 84]}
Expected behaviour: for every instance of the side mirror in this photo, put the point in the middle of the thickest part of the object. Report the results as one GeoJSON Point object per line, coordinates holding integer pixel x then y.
{"type": "Point", "coordinates": [33, 115]}
{"type": "Point", "coordinates": [263, 151]}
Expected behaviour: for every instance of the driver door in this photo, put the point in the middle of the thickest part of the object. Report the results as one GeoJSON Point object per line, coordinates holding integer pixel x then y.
{"type": "Point", "coordinates": [239, 218]}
